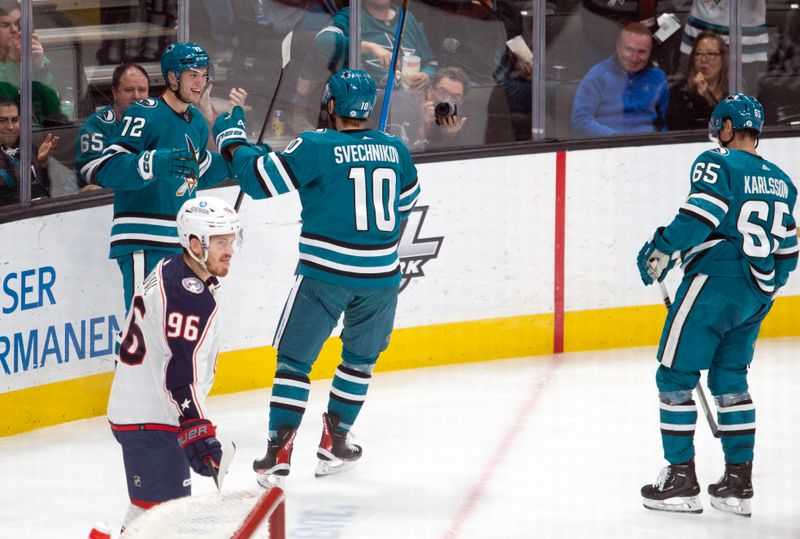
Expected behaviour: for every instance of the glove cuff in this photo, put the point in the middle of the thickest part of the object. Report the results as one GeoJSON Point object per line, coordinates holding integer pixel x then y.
{"type": "Point", "coordinates": [195, 429]}
{"type": "Point", "coordinates": [659, 243]}
{"type": "Point", "coordinates": [234, 134]}
{"type": "Point", "coordinates": [145, 165]}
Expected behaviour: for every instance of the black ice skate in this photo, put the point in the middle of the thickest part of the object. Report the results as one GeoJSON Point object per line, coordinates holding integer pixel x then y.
{"type": "Point", "coordinates": [336, 452]}
{"type": "Point", "coordinates": [275, 465]}
{"type": "Point", "coordinates": [734, 490]}
{"type": "Point", "coordinates": [675, 490]}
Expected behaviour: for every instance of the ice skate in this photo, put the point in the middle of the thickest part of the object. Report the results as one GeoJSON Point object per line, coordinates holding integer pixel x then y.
{"type": "Point", "coordinates": [734, 490]}
{"type": "Point", "coordinates": [675, 490]}
{"type": "Point", "coordinates": [336, 452]}
{"type": "Point", "coordinates": [274, 466]}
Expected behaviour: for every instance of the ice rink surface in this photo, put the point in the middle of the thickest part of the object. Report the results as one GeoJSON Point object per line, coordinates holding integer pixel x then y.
{"type": "Point", "coordinates": [540, 447]}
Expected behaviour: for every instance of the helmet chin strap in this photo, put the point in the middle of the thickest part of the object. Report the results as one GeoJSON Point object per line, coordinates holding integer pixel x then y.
{"type": "Point", "coordinates": [179, 96]}
{"type": "Point", "coordinates": [202, 261]}
{"type": "Point", "coordinates": [177, 91]}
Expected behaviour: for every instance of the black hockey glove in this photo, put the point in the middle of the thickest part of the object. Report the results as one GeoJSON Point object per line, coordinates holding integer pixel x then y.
{"type": "Point", "coordinates": [198, 439]}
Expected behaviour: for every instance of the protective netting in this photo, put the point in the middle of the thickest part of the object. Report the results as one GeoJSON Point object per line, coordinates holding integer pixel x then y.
{"type": "Point", "coordinates": [231, 515]}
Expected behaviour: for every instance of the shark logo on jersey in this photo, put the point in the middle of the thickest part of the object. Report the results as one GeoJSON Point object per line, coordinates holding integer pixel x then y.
{"type": "Point", "coordinates": [193, 285]}
{"type": "Point", "coordinates": [108, 117]}
{"type": "Point", "coordinates": [189, 182]}
{"type": "Point", "coordinates": [414, 251]}
{"type": "Point", "coordinates": [389, 46]}
{"type": "Point", "coordinates": [148, 102]}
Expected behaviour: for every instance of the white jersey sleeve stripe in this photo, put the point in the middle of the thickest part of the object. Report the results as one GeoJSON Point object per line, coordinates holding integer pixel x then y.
{"type": "Point", "coordinates": [264, 179]}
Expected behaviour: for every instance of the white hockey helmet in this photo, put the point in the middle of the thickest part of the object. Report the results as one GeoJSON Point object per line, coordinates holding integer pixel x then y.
{"type": "Point", "coordinates": [203, 217]}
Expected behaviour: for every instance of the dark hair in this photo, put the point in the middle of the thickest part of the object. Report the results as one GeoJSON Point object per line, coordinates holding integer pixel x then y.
{"type": "Point", "coordinates": [454, 73]}
{"type": "Point", "coordinates": [6, 101]}
{"type": "Point", "coordinates": [7, 6]}
{"type": "Point", "coordinates": [723, 50]}
{"type": "Point", "coordinates": [122, 68]}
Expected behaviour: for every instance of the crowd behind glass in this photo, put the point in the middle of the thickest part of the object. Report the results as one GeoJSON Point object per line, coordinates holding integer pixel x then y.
{"type": "Point", "coordinates": [471, 72]}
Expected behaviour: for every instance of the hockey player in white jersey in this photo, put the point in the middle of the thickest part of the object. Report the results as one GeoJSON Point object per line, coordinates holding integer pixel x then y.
{"type": "Point", "coordinates": [167, 361]}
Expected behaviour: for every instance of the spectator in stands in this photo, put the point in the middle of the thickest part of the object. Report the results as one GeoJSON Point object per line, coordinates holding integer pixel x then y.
{"type": "Point", "coordinates": [485, 39]}
{"type": "Point", "coordinates": [449, 84]}
{"type": "Point", "coordinates": [705, 85]}
{"type": "Point", "coordinates": [715, 16]}
{"type": "Point", "coordinates": [379, 20]}
{"type": "Point", "coordinates": [10, 156]}
{"type": "Point", "coordinates": [601, 22]}
{"type": "Point", "coordinates": [624, 93]}
{"type": "Point", "coordinates": [378, 27]}
{"type": "Point", "coordinates": [129, 83]}
{"type": "Point", "coordinates": [46, 105]}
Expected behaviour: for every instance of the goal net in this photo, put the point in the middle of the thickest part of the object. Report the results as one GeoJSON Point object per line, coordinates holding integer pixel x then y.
{"type": "Point", "coordinates": [244, 514]}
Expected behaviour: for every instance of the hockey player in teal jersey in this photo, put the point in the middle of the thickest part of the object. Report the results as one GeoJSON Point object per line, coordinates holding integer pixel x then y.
{"type": "Point", "coordinates": [356, 185]}
{"type": "Point", "coordinates": [129, 84]}
{"type": "Point", "coordinates": [736, 237]}
{"type": "Point", "coordinates": [155, 162]}
{"type": "Point", "coordinates": [379, 19]}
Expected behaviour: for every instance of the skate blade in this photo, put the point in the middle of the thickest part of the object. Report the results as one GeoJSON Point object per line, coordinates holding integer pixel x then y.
{"type": "Point", "coordinates": [735, 506]}
{"type": "Point", "coordinates": [329, 467]}
{"type": "Point", "coordinates": [689, 504]}
{"type": "Point", "coordinates": [268, 480]}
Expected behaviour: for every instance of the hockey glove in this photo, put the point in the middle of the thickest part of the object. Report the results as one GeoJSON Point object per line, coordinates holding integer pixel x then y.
{"type": "Point", "coordinates": [653, 264]}
{"type": "Point", "coordinates": [174, 164]}
{"type": "Point", "coordinates": [198, 439]}
{"type": "Point", "coordinates": [230, 131]}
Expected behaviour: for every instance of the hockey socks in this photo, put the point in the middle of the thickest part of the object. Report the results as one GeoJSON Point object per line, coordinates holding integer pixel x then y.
{"type": "Point", "coordinates": [348, 391]}
{"type": "Point", "coordinates": [737, 428]}
{"type": "Point", "coordinates": [288, 402]}
{"type": "Point", "coordinates": [677, 430]}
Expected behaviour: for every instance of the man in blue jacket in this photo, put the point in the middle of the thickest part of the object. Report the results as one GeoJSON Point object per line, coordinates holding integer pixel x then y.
{"type": "Point", "coordinates": [624, 93]}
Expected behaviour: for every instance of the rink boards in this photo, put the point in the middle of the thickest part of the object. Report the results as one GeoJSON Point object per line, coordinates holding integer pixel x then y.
{"type": "Point", "coordinates": [506, 256]}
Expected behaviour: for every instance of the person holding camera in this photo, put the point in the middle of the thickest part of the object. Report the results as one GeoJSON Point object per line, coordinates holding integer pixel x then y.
{"type": "Point", "coordinates": [443, 119]}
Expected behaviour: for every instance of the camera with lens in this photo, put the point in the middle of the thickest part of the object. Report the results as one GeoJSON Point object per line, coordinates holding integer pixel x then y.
{"type": "Point", "coordinates": [445, 108]}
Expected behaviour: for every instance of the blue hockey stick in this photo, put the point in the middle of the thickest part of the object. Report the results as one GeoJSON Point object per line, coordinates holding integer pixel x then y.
{"type": "Point", "coordinates": [398, 36]}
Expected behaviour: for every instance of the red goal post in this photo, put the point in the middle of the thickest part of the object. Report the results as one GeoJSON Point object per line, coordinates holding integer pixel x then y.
{"type": "Point", "coordinates": [244, 514]}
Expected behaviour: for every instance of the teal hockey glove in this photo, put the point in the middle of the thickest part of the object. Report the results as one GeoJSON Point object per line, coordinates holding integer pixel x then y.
{"type": "Point", "coordinates": [230, 131]}
{"type": "Point", "coordinates": [653, 264]}
{"type": "Point", "coordinates": [174, 164]}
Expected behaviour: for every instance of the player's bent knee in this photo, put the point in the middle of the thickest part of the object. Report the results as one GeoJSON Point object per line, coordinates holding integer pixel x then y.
{"type": "Point", "coordinates": [675, 397]}
{"type": "Point", "coordinates": [727, 382]}
{"type": "Point", "coordinates": [729, 399]}
{"type": "Point", "coordinates": [365, 367]}
{"type": "Point", "coordinates": [670, 380]}
{"type": "Point", "coordinates": [290, 365]}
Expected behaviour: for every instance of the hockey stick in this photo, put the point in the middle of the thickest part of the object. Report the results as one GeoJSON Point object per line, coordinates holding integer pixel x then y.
{"type": "Point", "coordinates": [224, 463]}
{"type": "Point", "coordinates": [701, 394]}
{"type": "Point", "coordinates": [398, 36]}
{"type": "Point", "coordinates": [286, 47]}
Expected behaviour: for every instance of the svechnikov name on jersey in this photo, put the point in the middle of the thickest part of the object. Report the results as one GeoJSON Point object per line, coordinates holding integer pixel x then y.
{"type": "Point", "coordinates": [354, 153]}
{"type": "Point", "coordinates": [765, 185]}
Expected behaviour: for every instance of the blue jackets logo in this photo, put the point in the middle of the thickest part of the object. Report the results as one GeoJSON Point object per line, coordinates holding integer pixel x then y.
{"type": "Point", "coordinates": [414, 251]}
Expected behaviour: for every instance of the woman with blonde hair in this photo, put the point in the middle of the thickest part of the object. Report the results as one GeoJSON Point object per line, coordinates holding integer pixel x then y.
{"type": "Point", "coordinates": [705, 85]}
